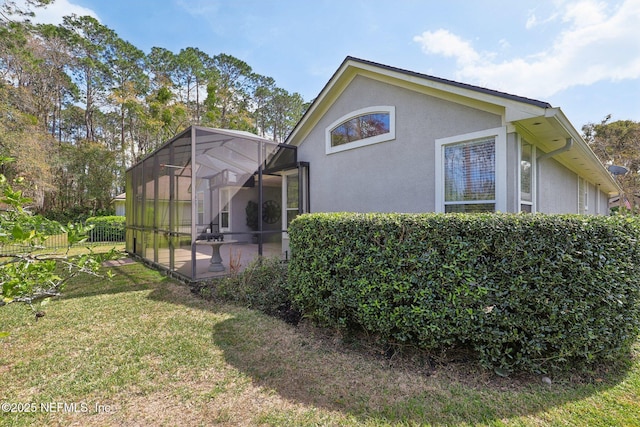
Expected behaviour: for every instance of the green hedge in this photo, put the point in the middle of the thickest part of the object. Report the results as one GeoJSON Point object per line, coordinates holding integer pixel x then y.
{"type": "Point", "coordinates": [106, 228]}
{"type": "Point", "coordinates": [526, 292]}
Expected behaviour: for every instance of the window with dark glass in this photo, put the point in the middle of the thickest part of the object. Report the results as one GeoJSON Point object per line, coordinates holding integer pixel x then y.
{"type": "Point", "coordinates": [361, 127]}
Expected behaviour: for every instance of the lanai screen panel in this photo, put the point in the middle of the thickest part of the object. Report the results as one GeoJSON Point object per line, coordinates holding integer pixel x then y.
{"type": "Point", "coordinates": [148, 212]}
{"type": "Point", "coordinates": [165, 175]}
{"type": "Point", "coordinates": [227, 163]}
{"type": "Point", "coordinates": [172, 213]}
{"type": "Point", "coordinates": [176, 192]}
{"type": "Point", "coordinates": [236, 153]}
{"type": "Point", "coordinates": [135, 203]}
{"type": "Point", "coordinates": [180, 170]}
{"type": "Point", "coordinates": [226, 166]}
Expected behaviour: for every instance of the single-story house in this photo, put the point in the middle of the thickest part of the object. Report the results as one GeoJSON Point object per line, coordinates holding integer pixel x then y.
{"type": "Point", "coordinates": [383, 139]}
{"type": "Point", "coordinates": [119, 203]}
{"type": "Point", "coordinates": [376, 139]}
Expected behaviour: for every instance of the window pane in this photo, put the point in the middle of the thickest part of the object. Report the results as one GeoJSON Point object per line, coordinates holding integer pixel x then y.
{"type": "Point", "coordinates": [292, 191]}
{"type": "Point", "coordinates": [525, 173]}
{"type": "Point", "coordinates": [470, 208]}
{"type": "Point", "coordinates": [583, 196]}
{"type": "Point", "coordinates": [200, 203]}
{"type": "Point", "coordinates": [225, 201]}
{"type": "Point", "coordinates": [291, 214]}
{"type": "Point", "coordinates": [470, 171]}
{"type": "Point", "coordinates": [360, 127]}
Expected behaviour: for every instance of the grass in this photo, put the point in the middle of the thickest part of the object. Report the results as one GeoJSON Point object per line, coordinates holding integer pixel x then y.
{"type": "Point", "coordinates": [140, 349]}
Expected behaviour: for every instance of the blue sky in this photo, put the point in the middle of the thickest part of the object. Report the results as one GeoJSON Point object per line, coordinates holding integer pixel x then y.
{"type": "Point", "coordinates": [580, 55]}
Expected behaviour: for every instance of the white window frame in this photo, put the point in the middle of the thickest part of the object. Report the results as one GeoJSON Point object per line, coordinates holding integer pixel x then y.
{"type": "Point", "coordinates": [285, 189]}
{"type": "Point", "coordinates": [389, 136]}
{"type": "Point", "coordinates": [500, 139]}
{"type": "Point", "coordinates": [583, 195]}
{"type": "Point", "coordinates": [587, 189]}
{"type": "Point", "coordinates": [200, 207]}
{"type": "Point", "coordinates": [534, 178]}
{"type": "Point", "coordinates": [221, 192]}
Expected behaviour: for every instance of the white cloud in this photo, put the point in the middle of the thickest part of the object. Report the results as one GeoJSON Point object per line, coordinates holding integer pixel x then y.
{"type": "Point", "coordinates": [585, 13]}
{"type": "Point", "coordinates": [533, 20]}
{"type": "Point", "coordinates": [596, 44]}
{"type": "Point", "coordinates": [444, 43]}
{"type": "Point", "coordinates": [53, 13]}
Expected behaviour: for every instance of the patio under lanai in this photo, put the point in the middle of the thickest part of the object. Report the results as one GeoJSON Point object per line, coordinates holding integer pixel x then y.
{"type": "Point", "coordinates": [210, 200]}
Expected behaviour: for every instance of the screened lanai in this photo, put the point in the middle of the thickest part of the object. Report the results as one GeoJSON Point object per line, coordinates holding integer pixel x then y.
{"type": "Point", "coordinates": [210, 200]}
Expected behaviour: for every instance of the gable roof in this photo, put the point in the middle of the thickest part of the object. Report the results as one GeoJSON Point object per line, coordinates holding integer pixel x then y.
{"type": "Point", "coordinates": [478, 89]}
{"type": "Point", "coordinates": [538, 121]}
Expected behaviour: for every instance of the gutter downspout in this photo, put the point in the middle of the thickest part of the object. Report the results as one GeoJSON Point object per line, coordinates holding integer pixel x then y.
{"type": "Point", "coordinates": [567, 147]}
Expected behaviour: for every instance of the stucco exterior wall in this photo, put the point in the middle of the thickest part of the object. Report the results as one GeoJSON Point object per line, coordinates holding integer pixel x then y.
{"type": "Point", "coordinates": [598, 202]}
{"type": "Point", "coordinates": [392, 176]}
{"type": "Point", "coordinates": [558, 191]}
{"type": "Point", "coordinates": [602, 208]}
{"type": "Point", "coordinates": [557, 188]}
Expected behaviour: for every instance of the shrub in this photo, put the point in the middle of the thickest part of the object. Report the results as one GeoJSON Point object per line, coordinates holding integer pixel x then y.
{"type": "Point", "coordinates": [525, 292]}
{"type": "Point", "coordinates": [261, 286]}
{"type": "Point", "coordinates": [106, 228]}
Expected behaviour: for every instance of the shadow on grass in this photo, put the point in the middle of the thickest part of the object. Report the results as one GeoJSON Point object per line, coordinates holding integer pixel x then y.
{"type": "Point", "coordinates": [305, 369]}
{"type": "Point", "coordinates": [303, 366]}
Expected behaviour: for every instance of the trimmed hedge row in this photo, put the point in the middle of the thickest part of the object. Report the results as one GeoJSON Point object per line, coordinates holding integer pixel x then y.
{"type": "Point", "coordinates": [106, 228]}
{"type": "Point", "coordinates": [535, 293]}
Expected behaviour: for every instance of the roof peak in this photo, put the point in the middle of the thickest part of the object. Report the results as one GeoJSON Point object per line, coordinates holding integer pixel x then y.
{"type": "Point", "coordinates": [535, 102]}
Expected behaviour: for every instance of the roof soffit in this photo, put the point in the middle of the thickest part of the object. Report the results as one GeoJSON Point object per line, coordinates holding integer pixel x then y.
{"type": "Point", "coordinates": [550, 131]}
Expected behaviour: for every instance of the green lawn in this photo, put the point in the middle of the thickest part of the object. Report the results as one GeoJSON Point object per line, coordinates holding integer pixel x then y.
{"type": "Point", "coordinates": [142, 350]}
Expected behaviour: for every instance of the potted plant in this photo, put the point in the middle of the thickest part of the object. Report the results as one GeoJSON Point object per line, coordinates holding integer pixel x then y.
{"type": "Point", "coordinates": [252, 212]}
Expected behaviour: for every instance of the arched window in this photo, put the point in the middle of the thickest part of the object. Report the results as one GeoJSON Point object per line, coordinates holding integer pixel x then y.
{"type": "Point", "coordinates": [359, 128]}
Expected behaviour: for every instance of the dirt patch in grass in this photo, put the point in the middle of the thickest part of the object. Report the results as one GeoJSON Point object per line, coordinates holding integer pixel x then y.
{"type": "Point", "coordinates": [118, 262]}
